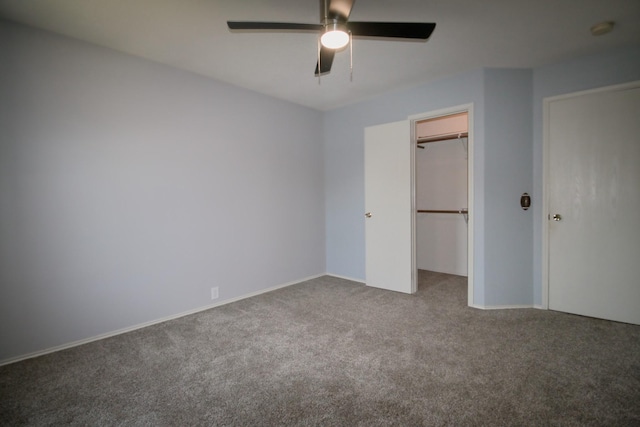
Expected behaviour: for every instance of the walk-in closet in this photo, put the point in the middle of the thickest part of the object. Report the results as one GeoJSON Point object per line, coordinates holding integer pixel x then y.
{"type": "Point", "coordinates": [441, 194]}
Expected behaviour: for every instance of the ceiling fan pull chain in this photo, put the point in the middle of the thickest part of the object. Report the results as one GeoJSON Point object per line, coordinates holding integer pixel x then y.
{"type": "Point", "coordinates": [326, 12]}
{"type": "Point", "coordinates": [319, 64]}
{"type": "Point", "coordinates": [351, 55]}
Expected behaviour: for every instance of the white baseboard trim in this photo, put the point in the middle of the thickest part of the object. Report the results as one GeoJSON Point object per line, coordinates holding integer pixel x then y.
{"type": "Point", "coordinates": [501, 307]}
{"type": "Point", "coordinates": [539, 307]}
{"type": "Point", "coordinates": [345, 278]}
{"type": "Point", "coordinates": [150, 323]}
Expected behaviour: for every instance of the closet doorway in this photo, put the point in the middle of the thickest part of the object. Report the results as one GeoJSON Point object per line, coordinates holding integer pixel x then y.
{"type": "Point", "coordinates": [443, 193]}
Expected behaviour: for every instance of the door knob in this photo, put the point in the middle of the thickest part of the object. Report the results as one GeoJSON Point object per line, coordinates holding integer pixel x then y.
{"type": "Point", "coordinates": [368, 214]}
{"type": "Point", "coordinates": [557, 217]}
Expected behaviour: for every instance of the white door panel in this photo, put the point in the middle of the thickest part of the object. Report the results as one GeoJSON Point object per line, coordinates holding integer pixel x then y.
{"type": "Point", "coordinates": [388, 230]}
{"type": "Point", "coordinates": [594, 185]}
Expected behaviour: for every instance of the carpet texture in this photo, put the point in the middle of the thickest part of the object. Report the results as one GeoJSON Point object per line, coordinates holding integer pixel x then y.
{"type": "Point", "coordinates": [333, 352]}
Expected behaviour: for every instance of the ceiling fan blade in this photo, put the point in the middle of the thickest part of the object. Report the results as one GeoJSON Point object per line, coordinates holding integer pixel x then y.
{"type": "Point", "coordinates": [339, 9]}
{"type": "Point", "coordinates": [405, 30]}
{"type": "Point", "coordinates": [244, 25]}
{"type": "Point", "coordinates": [326, 59]}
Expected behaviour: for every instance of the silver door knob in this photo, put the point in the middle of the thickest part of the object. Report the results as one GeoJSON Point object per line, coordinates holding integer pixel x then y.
{"type": "Point", "coordinates": [557, 217]}
{"type": "Point", "coordinates": [368, 214]}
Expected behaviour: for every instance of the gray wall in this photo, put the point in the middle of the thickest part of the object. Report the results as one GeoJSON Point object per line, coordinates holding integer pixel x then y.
{"type": "Point", "coordinates": [508, 174]}
{"type": "Point", "coordinates": [128, 189]}
{"type": "Point", "coordinates": [615, 67]}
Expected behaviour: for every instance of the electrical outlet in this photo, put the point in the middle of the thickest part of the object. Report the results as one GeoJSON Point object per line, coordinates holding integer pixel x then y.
{"type": "Point", "coordinates": [214, 293]}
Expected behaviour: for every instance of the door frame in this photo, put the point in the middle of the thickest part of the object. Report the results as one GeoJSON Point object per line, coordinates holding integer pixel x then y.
{"type": "Point", "coordinates": [546, 108]}
{"type": "Point", "coordinates": [413, 119]}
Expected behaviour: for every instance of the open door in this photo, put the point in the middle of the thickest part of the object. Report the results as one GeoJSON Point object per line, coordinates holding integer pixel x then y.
{"type": "Point", "coordinates": [388, 207]}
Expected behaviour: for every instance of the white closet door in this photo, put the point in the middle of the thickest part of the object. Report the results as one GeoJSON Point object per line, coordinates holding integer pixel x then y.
{"type": "Point", "coordinates": [594, 204]}
{"type": "Point", "coordinates": [388, 229]}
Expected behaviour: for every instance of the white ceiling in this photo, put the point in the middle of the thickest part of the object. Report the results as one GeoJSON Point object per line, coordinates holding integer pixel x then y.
{"type": "Point", "coordinates": [192, 34]}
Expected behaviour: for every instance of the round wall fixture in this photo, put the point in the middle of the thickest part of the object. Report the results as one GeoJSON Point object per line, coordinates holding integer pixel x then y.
{"type": "Point", "coordinates": [525, 201]}
{"type": "Point", "coordinates": [602, 28]}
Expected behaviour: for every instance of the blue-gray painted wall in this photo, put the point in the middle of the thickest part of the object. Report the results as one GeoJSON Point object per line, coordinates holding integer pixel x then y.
{"type": "Point", "coordinates": [128, 189]}
{"type": "Point", "coordinates": [508, 173]}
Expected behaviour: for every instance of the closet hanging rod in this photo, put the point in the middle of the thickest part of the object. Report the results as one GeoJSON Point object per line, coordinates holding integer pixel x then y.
{"type": "Point", "coordinates": [429, 139]}
{"type": "Point", "coordinates": [463, 211]}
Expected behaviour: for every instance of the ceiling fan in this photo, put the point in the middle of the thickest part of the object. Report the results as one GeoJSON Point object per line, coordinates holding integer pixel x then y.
{"type": "Point", "coordinates": [336, 30]}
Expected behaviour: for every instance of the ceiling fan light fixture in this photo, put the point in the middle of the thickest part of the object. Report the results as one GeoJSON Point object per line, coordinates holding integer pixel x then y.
{"type": "Point", "coordinates": [335, 36]}
{"type": "Point", "coordinates": [335, 31]}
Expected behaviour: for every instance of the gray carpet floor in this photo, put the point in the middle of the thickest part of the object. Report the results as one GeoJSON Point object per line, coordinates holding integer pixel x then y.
{"type": "Point", "coordinates": [333, 352]}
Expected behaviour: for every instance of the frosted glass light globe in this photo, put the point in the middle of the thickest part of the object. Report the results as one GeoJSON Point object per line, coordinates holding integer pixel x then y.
{"type": "Point", "coordinates": [334, 39]}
